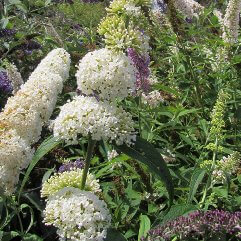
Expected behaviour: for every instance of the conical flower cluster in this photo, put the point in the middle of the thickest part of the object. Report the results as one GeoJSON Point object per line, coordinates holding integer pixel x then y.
{"type": "Point", "coordinates": [25, 113]}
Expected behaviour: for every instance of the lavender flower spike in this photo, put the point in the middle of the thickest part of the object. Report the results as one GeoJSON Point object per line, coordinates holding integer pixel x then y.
{"type": "Point", "coordinates": [141, 64]}
{"type": "Point", "coordinates": [198, 224]}
{"type": "Point", "coordinates": [5, 84]}
{"type": "Point", "coordinates": [78, 164]}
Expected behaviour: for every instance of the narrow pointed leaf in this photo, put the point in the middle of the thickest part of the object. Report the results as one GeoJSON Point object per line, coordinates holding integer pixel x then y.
{"type": "Point", "coordinates": [146, 153]}
{"type": "Point", "coordinates": [196, 179]}
{"type": "Point", "coordinates": [48, 145]}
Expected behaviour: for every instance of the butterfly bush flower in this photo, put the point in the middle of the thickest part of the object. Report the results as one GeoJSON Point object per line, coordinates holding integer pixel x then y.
{"type": "Point", "coordinates": [70, 178]}
{"type": "Point", "coordinates": [102, 120]}
{"type": "Point", "coordinates": [78, 215]}
{"type": "Point", "coordinates": [15, 155]}
{"type": "Point", "coordinates": [30, 46]}
{"type": "Point", "coordinates": [153, 99]}
{"type": "Point", "coordinates": [231, 21]}
{"type": "Point", "coordinates": [14, 77]}
{"type": "Point", "coordinates": [189, 8]}
{"type": "Point", "coordinates": [159, 6]}
{"type": "Point", "coordinates": [132, 10]}
{"type": "Point", "coordinates": [226, 166]}
{"type": "Point", "coordinates": [30, 108]}
{"type": "Point", "coordinates": [26, 113]}
{"type": "Point", "coordinates": [119, 37]}
{"type": "Point", "coordinates": [112, 154]}
{"type": "Point", "coordinates": [109, 74]}
{"type": "Point", "coordinates": [141, 63]}
{"type": "Point", "coordinates": [199, 224]}
{"type": "Point", "coordinates": [56, 62]}
{"type": "Point", "coordinates": [5, 83]}
{"type": "Point", "coordinates": [119, 6]}
{"type": "Point", "coordinates": [5, 33]}
{"type": "Point", "coordinates": [217, 122]}
{"type": "Point", "coordinates": [69, 166]}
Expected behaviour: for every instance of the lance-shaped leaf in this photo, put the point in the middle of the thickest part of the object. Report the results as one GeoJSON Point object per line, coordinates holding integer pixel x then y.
{"type": "Point", "coordinates": [146, 153]}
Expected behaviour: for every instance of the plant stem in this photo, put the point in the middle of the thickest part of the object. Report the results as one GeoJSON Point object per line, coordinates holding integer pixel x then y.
{"type": "Point", "coordinates": [139, 114]}
{"type": "Point", "coordinates": [209, 178]}
{"type": "Point", "coordinates": [91, 145]}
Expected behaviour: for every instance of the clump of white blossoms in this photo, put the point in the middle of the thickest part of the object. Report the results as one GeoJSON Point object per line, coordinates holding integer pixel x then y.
{"type": "Point", "coordinates": [231, 21]}
{"type": "Point", "coordinates": [112, 154]}
{"type": "Point", "coordinates": [34, 102]}
{"type": "Point", "coordinates": [78, 215]}
{"type": "Point", "coordinates": [132, 10]}
{"type": "Point", "coordinates": [69, 179]}
{"type": "Point", "coordinates": [25, 113]}
{"type": "Point", "coordinates": [189, 8]}
{"type": "Point", "coordinates": [102, 120]}
{"type": "Point", "coordinates": [111, 75]}
{"type": "Point", "coordinates": [153, 99]}
{"type": "Point", "coordinates": [226, 166]}
{"type": "Point", "coordinates": [31, 107]}
{"type": "Point", "coordinates": [15, 155]}
{"type": "Point", "coordinates": [56, 62]}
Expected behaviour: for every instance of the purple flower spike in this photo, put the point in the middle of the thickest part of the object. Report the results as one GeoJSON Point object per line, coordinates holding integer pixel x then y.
{"type": "Point", "coordinates": [141, 64]}
{"type": "Point", "coordinates": [5, 84]}
{"type": "Point", "coordinates": [198, 224]}
{"type": "Point", "coordinates": [78, 164]}
{"type": "Point", "coordinates": [4, 33]}
{"type": "Point", "coordinates": [30, 46]}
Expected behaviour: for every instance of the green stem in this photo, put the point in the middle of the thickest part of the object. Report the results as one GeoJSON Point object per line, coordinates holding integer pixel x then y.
{"type": "Point", "coordinates": [16, 209]}
{"type": "Point", "coordinates": [210, 174]}
{"type": "Point", "coordinates": [139, 114]}
{"type": "Point", "coordinates": [91, 145]}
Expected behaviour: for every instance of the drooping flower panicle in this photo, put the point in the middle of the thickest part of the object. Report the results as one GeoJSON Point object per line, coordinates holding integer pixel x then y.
{"type": "Point", "coordinates": [26, 112]}
{"type": "Point", "coordinates": [231, 21]}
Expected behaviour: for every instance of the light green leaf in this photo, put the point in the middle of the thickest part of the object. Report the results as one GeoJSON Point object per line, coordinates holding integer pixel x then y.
{"type": "Point", "coordinates": [145, 225]}
{"type": "Point", "coordinates": [178, 210]}
{"type": "Point", "coordinates": [48, 145]}
{"type": "Point", "coordinates": [196, 179]}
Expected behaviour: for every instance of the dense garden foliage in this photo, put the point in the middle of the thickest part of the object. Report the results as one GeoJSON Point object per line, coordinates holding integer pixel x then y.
{"type": "Point", "coordinates": [120, 120]}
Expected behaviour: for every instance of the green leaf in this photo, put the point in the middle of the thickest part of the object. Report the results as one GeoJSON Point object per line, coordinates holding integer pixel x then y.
{"type": "Point", "coordinates": [145, 225]}
{"type": "Point", "coordinates": [178, 210]}
{"type": "Point", "coordinates": [114, 235]}
{"type": "Point", "coordinates": [7, 236]}
{"type": "Point", "coordinates": [47, 2]}
{"type": "Point", "coordinates": [47, 175]}
{"type": "Point", "coordinates": [31, 237]}
{"type": "Point", "coordinates": [196, 179]}
{"type": "Point", "coordinates": [34, 199]}
{"type": "Point", "coordinates": [144, 152]}
{"type": "Point", "coordinates": [48, 145]}
{"type": "Point", "coordinates": [239, 178]}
